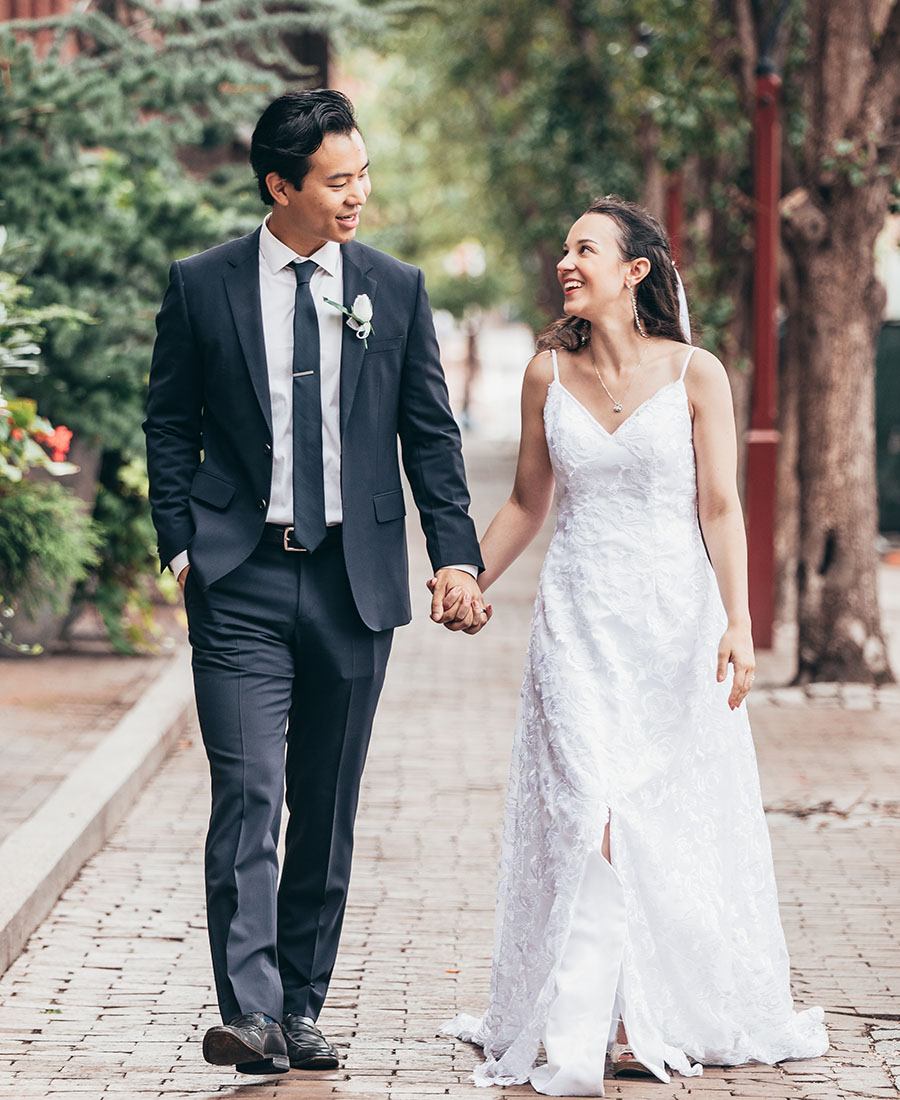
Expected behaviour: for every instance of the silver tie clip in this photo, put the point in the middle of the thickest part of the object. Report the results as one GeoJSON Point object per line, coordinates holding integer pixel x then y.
{"type": "Point", "coordinates": [302, 373]}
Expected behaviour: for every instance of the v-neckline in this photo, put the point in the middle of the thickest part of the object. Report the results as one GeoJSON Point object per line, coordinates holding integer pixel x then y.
{"type": "Point", "coordinates": [612, 434]}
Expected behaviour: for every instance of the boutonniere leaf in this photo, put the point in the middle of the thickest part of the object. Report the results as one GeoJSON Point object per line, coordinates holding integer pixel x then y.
{"type": "Point", "coordinates": [359, 316]}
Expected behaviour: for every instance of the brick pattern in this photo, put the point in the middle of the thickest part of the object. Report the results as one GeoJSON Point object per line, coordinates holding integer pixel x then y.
{"type": "Point", "coordinates": [113, 993]}
{"type": "Point", "coordinates": [53, 711]}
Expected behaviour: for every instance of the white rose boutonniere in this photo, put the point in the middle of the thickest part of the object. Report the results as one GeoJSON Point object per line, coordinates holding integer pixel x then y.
{"type": "Point", "coordinates": [359, 317]}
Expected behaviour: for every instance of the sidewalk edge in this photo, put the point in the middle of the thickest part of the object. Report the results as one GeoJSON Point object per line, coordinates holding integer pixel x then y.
{"type": "Point", "coordinates": [44, 854]}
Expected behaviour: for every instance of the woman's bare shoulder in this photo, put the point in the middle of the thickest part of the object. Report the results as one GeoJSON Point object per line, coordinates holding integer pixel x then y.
{"type": "Point", "coordinates": [705, 370]}
{"type": "Point", "coordinates": [539, 371]}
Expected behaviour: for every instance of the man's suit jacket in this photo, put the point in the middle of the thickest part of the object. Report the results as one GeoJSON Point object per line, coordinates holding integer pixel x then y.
{"type": "Point", "coordinates": [209, 425]}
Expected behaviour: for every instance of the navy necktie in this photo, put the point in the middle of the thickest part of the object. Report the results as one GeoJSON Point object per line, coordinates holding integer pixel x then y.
{"type": "Point", "coordinates": [309, 479]}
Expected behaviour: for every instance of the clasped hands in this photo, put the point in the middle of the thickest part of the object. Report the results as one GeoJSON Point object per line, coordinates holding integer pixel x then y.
{"type": "Point", "coordinates": [457, 601]}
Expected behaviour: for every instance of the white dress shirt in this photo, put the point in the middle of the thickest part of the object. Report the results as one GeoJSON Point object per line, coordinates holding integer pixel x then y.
{"type": "Point", "coordinates": [277, 290]}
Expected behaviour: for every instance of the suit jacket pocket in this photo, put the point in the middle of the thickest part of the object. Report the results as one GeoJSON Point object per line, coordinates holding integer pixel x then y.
{"type": "Point", "coordinates": [211, 490]}
{"type": "Point", "coordinates": [389, 506]}
{"type": "Point", "coordinates": [387, 343]}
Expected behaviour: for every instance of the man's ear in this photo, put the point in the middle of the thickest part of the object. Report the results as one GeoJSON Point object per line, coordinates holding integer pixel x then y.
{"type": "Point", "coordinates": [277, 186]}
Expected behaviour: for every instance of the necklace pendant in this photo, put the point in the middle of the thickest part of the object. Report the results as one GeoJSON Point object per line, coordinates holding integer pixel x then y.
{"type": "Point", "coordinates": [617, 408]}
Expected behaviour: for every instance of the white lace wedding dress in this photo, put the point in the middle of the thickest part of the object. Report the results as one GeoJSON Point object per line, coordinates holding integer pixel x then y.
{"type": "Point", "coordinates": [621, 719]}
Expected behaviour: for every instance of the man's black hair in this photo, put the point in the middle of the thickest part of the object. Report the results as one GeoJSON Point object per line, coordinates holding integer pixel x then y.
{"type": "Point", "coordinates": [291, 129]}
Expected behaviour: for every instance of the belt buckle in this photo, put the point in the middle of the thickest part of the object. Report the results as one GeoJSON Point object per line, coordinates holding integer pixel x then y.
{"type": "Point", "coordinates": [288, 531]}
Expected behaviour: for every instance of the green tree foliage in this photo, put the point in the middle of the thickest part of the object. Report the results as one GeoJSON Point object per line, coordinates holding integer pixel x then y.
{"type": "Point", "coordinates": [427, 198]}
{"type": "Point", "coordinates": [94, 190]}
{"type": "Point", "coordinates": [95, 133]}
{"type": "Point", "coordinates": [46, 543]}
{"type": "Point", "coordinates": [511, 115]}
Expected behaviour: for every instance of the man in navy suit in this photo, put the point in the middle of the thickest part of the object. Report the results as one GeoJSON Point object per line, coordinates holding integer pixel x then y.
{"type": "Point", "coordinates": [286, 366]}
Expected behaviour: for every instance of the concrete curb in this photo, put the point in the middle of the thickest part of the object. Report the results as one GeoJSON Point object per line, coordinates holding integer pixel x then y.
{"type": "Point", "coordinates": [42, 855]}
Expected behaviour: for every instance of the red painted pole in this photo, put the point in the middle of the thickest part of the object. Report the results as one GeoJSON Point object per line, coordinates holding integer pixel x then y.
{"type": "Point", "coordinates": [762, 438]}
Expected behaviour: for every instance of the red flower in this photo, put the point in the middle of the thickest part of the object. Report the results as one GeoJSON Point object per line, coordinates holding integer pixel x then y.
{"type": "Point", "coordinates": [60, 441]}
{"type": "Point", "coordinates": [17, 433]}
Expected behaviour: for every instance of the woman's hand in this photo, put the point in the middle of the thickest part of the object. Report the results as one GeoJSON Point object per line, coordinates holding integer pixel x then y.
{"type": "Point", "coordinates": [736, 648]}
{"type": "Point", "coordinates": [458, 613]}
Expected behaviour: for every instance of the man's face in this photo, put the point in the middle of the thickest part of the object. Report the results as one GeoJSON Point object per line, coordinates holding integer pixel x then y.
{"type": "Point", "coordinates": [334, 191]}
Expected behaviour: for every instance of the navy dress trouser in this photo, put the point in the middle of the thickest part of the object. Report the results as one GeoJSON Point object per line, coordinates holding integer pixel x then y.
{"type": "Point", "coordinates": [287, 678]}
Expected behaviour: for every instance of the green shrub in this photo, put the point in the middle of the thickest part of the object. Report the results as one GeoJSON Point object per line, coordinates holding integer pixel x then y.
{"type": "Point", "coordinates": [47, 543]}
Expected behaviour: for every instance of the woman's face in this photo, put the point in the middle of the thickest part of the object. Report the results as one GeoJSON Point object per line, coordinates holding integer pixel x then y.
{"type": "Point", "coordinates": [592, 273]}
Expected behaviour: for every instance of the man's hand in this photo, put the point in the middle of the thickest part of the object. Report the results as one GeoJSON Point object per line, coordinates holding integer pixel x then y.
{"type": "Point", "coordinates": [457, 601]}
{"type": "Point", "coordinates": [182, 577]}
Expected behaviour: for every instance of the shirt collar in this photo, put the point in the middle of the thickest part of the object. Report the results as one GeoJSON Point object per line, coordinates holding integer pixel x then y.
{"type": "Point", "coordinates": [278, 255]}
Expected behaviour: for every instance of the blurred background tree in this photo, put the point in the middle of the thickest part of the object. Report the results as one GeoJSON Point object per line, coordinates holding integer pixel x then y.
{"type": "Point", "coordinates": [515, 115]}
{"type": "Point", "coordinates": [522, 112]}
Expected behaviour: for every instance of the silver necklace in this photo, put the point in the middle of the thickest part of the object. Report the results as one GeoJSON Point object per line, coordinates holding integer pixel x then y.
{"type": "Point", "coordinates": [617, 405]}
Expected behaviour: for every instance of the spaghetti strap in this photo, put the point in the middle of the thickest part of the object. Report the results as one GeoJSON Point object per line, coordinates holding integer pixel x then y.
{"type": "Point", "coordinates": [555, 365]}
{"type": "Point", "coordinates": [685, 367]}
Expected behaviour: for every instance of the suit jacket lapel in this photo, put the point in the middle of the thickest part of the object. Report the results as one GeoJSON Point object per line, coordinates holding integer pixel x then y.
{"type": "Point", "coordinates": [242, 287]}
{"type": "Point", "coordinates": [356, 281]}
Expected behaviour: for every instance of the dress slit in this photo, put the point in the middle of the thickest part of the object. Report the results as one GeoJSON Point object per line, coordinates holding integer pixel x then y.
{"type": "Point", "coordinates": [590, 997]}
{"type": "Point", "coordinates": [583, 1015]}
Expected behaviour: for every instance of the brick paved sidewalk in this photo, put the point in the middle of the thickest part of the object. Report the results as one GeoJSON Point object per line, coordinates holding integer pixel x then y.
{"type": "Point", "coordinates": [113, 993]}
{"type": "Point", "coordinates": [53, 711]}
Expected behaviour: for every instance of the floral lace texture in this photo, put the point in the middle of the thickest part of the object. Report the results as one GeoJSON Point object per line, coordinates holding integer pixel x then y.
{"type": "Point", "coordinates": [620, 715]}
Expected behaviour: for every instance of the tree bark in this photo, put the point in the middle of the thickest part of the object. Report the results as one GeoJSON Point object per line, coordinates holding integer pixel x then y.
{"type": "Point", "coordinates": [839, 308]}
{"type": "Point", "coordinates": [852, 92]}
{"type": "Point", "coordinates": [653, 196]}
{"type": "Point", "coordinates": [787, 486]}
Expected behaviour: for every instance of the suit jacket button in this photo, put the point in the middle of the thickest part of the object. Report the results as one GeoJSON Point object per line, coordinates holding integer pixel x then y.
{"type": "Point", "coordinates": [261, 503]}
{"type": "Point", "coordinates": [268, 448]}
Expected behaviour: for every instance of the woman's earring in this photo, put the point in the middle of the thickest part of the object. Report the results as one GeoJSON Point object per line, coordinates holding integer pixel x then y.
{"type": "Point", "coordinates": [637, 319]}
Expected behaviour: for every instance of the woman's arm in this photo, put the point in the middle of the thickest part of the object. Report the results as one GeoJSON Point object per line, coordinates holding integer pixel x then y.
{"type": "Point", "coordinates": [523, 514]}
{"type": "Point", "coordinates": [721, 518]}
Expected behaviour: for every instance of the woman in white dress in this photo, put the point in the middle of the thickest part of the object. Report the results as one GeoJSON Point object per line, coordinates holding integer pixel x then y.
{"type": "Point", "coordinates": [637, 908]}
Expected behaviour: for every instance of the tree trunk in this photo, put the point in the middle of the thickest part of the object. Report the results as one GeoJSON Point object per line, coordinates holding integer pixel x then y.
{"type": "Point", "coordinates": [850, 89]}
{"type": "Point", "coordinates": [839, 308]}
{"type": "Point", "coordinates": [548, 294]}
{"type": "Point", "coordinates": [653, 196]}
{"type": "Point", "coordinates": [787, 486]}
